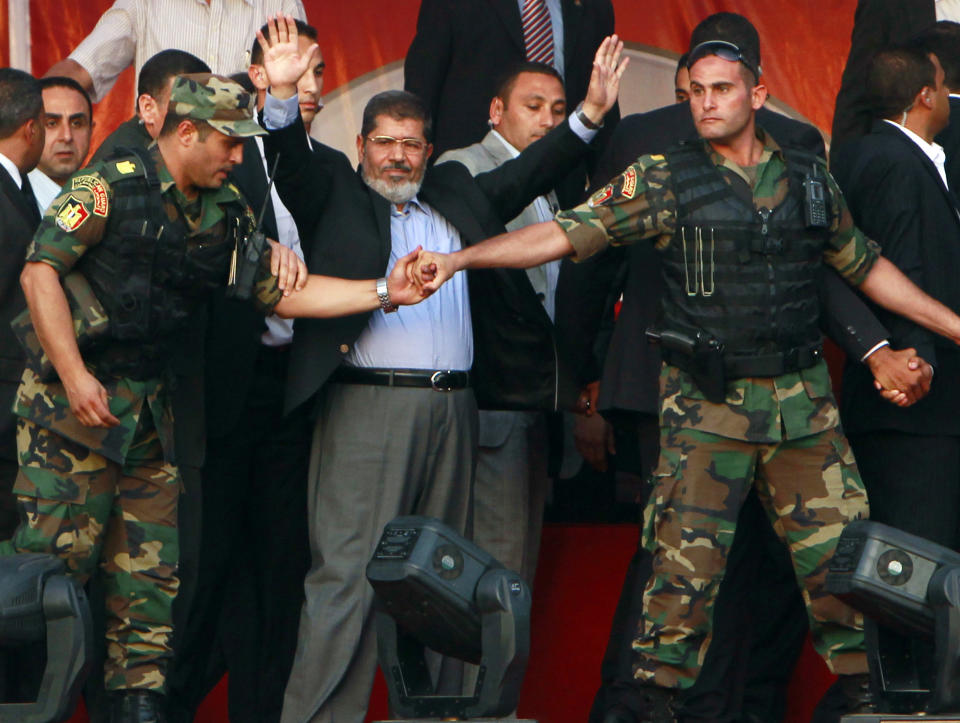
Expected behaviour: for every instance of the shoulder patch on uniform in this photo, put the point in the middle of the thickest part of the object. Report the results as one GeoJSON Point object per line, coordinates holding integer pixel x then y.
{"type": "Point", "coordinates": [604, 194]}
{"type": "Point", "coordinates": [72, 214]}
{"type": "Point", "coordinates": [629, 182]}
{"type": "Point", "coordinates": [101, 201]}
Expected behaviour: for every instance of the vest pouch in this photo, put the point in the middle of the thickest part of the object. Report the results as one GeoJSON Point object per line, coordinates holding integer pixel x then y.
{"type": "Point", "coordinates": [91, 326]}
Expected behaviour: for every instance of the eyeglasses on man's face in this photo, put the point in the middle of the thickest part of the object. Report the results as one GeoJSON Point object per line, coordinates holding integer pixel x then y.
{"type": "Point", "coordinates": [410, 146]}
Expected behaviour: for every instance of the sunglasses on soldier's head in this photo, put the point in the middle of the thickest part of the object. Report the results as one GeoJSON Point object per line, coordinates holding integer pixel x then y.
{"type": "Point", "coordinates": [722, 49]}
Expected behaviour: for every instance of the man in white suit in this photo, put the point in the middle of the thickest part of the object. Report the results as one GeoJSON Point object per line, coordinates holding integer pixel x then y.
{"type": "Point", "coordinates": [511, 483]}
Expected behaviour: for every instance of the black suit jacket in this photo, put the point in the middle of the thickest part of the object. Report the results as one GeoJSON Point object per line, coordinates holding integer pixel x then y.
{"type": "Point", "coordinates": [18, 221]}
{"type": "Point", "coordinates": [876, 24]}
{"type": "Point", "coordinates": [234, 327]}
{"type": "Point", "coordinates": [462, 49]}
{"type": "Point", "coordinates": [345, 231]}
{"type": "Point", "coordinates": [949, 138]}
{"type": "Point", "coordinates": [897, 197]}
{"type": "Point", "coordinates": [630, 366]}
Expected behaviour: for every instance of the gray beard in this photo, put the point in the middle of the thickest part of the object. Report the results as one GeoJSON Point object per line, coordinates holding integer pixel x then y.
{"type": "Point", "coordinates": [393, 192]}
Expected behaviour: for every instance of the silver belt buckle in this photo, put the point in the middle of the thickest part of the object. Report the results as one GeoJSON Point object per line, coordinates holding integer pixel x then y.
{"type": "Point", "coordinates": [440, 381]}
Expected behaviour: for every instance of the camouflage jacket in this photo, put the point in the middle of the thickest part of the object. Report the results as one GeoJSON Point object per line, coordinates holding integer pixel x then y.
{"type": "Point", "coordinates": [640, 204]}
{"type": "Point", "coordinates": [76, 221]}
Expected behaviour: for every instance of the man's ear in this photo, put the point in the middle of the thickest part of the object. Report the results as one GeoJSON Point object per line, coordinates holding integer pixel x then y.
{"type": "Point", "coordinates": [360, 148]}
{"type": "Point", "coordinates": [496, 111]}
{"type": "Point", "coordinates": [187, 133]}
{"type": "Point", "coordinates": [758, 96]}
{"type": "Point", "coordinates": [146, 107]}
{"type": "Point", "coordinates": [258, 76]}
{"type": "Point", "coordinates": [925, 96]}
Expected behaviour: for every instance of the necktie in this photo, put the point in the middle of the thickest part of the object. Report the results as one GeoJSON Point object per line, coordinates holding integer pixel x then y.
{"type": "Point", "coordinates": [537, 31]}
{"type": "Point", "coordinates": [27, 190]}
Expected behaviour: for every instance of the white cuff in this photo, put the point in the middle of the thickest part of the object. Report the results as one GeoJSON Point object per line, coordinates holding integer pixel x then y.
{"type": "Point", "coordinates": [278, 113]}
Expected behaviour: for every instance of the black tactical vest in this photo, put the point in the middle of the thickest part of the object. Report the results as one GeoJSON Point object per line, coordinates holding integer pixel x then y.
{"type": "Point", "coordinates": [745, 276]}
{"type": "Point", "coordinates": [148, 276]}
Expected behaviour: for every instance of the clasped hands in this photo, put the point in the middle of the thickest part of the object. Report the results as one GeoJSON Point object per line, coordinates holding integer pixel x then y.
{"type": "Point", "coordinates": [417, 275]}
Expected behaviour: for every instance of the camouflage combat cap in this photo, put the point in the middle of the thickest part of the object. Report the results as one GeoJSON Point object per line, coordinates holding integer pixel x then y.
{"type": "Point", "coordinates": [216, 99]}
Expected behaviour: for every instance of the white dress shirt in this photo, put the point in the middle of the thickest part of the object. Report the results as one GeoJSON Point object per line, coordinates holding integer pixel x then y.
{"type": "Point", "coordinates": [933, 151]}
{"type": "Point", "coordinates": [45, 189]}
{"type": "Point", "coordinates": [220, 33]}
{"type": "Point", "coordinates": [279, 331]}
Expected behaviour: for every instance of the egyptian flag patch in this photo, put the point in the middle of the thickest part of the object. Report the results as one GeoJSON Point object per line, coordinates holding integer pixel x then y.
{"type": "Point", "coordinates": [72, 214]}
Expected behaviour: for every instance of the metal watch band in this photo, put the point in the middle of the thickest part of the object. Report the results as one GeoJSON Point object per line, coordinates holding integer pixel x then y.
{"type": "Point", "coordinates": [383, 293]}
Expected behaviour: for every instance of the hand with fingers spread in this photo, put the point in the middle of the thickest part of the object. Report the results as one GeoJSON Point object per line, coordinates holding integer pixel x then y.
{"type": "Point", "coordinates": [289, 268]}
{"type": "Point", "coordinates": [282, 60]}
{"type": "Point", "coordinates": [608, 69]}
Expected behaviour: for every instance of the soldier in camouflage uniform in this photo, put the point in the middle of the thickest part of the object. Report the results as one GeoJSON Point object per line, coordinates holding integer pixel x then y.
{"type": "Point", "coordinates": [137, 241]}
{"type": "Point", "coordinates": [740, 265]}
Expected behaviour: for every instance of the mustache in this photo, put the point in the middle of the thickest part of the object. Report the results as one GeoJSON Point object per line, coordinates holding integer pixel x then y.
{"type": "Point", "coordinates": [397, 166]}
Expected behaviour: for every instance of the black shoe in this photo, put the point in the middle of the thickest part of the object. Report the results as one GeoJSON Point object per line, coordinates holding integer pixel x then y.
{"type": "Point", "coordinates": [136, 706]}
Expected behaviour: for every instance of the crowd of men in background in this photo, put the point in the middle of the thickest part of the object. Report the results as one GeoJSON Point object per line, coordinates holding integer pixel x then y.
{"type": "Point", "coordinates": [295, 443]}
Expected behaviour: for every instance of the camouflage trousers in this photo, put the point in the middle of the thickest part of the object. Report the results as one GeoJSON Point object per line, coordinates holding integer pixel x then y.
{"type": "Point", "coordinates": [88, 510]}
{"type": "Point", "coordinates": [810, 489]}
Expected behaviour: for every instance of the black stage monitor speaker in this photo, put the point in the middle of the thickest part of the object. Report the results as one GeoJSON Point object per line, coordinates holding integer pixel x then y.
{"type": "Point", "coordinates": [38, 603]}
{"type": "Point", "coordinates": [907, 583]}
{"type": "Point", "coordinates": [437, 590]}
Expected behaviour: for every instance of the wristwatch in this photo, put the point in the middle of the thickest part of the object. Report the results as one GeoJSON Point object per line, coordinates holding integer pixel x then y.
{"type": "Point", "coordinates": [586, 120]}
{"type": "Point", "coordinates": [383, 293]}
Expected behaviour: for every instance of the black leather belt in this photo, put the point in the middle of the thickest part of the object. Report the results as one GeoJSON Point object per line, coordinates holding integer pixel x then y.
{"type": "Point", "coordinates": [442, 380]}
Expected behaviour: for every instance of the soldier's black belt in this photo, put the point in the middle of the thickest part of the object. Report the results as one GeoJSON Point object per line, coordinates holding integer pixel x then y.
{"type": "Point", "coordinates": [774, 364]}
{"type": "Point", "coordinates": [442, 380]}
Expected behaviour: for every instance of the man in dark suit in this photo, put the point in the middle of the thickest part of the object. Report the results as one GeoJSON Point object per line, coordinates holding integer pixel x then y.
{"type": "Point", "coordinates": [462, 48]}
{"type": "Point", "coordinates": [243, 619]}
{"type": "Point", "coordinates": [738, 679]}
{"type": "Point", "coordinates": [896, 185]}
{"type": "Point", "coordinates": [877, 24]}
{"type": "Point", "coordinates": [21, 144]}
{"type": "Point", "coordinates": [943, 40]}
{"type": "Point", "coordinates": [387, 441]}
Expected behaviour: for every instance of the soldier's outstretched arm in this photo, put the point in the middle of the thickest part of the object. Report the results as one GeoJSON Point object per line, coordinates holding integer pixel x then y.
{"type": "Point", "coordinates": [52, 320]}
{"type": "Point", "coordinates": [528, 246]}
{"type": "Point", "coordinates": [327, 296]}
{"type": "Point", "coordinates": [890, 288]}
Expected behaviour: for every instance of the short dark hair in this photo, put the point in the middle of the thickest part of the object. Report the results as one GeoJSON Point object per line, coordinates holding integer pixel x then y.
{"type": "Point", "coordinates": [508, 79]}
{"type": "Point", "coordinates": [399, 105]}
{"type": "Point", "coordinates": [681, 64]}
{"type": "Point", "coordinates": [20, 100]}
{"type": "Point", "coordinates": [943, 40]}
{"type": "Point", "coordinates": [733, 28]}
{"type": "Point", "coordinates": [894, 78]}
{"type": "Point", "coordinates": [61, 81]}
{"type": "Point", "coordinates": [256, 53]}
{"type": "Point", "coordinates": [171, 120]}
{"type": "Point", "coordinates": [243, 80]}
{"type": "Point", "coordinates": [156, 73]}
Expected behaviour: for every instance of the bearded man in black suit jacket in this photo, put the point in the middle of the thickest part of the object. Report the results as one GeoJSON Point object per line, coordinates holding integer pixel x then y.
{"type": "Point", "coordinates": [387, 442]}
{"type": "Point", "coordinates": [21, 144]}
{"type": "Point", "coordinates": [896, 187]}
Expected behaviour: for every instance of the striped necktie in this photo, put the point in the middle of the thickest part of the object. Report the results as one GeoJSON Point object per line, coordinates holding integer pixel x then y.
{"type": "Point", "coordinates": [537, 31]}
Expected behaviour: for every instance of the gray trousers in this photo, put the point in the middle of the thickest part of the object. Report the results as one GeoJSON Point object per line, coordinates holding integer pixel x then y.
{"type": "Point", "coordinates": [511, 488]}
{"type": "Point", "coordinates": [377, 452]}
